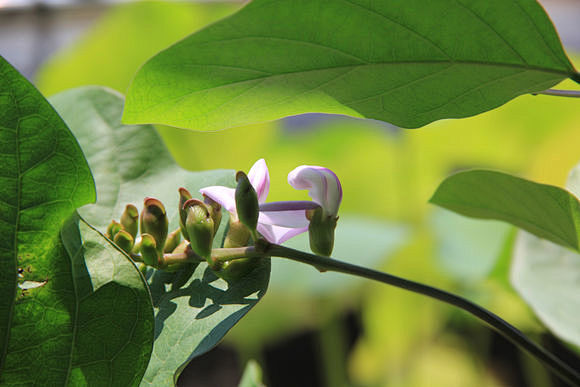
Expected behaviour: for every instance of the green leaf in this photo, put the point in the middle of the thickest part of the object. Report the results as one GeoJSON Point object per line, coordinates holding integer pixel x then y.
{"type": "Point", "coordinates": [546, 276]}
{"type": "Point", "coordinates": [43, 178]}
{"type": "Point", "coordinates": [252, 376]}
{"type": "Point", "coordinates": [115, 324]}
{"type": "Point", "coordinates": [544, 210]}
{"type": "Point", "coordinates": [405, 62]}
{"type": "Point", "coordinates": [130, 163]}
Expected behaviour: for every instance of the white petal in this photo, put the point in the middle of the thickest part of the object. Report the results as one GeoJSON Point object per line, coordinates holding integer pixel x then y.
{"type": "Point", "coordinates": [293, 219]}
{"type": "Point", "coordinates": [260, 179]}
{"type": "Point", "coordinates": [223, 195]}
{"type": "Point", "coordinates": [322, 184]}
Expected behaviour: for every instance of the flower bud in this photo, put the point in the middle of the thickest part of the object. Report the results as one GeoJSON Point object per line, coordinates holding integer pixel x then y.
{"type": "Point", "coordinates": [113, 228]}
{"type": "Point", "coordinates": [184, 196]}
{"type": "Point", "coordinates": [130, 220]}
{"type": "Point", "coordinates": [200, 228]}
{"type": "Point", "coordinates": [172, 242]}
{"type": "Point", "coordinates": [154, 222]}
{"type": "Point", "coordinates": [246, 202]}
{"type": "Point", "coordinates": [321, 231]}
{"type": "Point", "coordinates": [124, 240]}
{"type": "Point", "coordinates": [149, 251]}
{"type": "Point", "coordinates": [215, 210]}
{"type": "Point", "coordinates": [238, 235]}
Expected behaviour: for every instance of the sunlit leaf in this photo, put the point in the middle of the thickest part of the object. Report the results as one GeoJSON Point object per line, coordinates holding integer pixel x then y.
{"type": "Point", "coordinates": [404, 62]}
{"type": "Point", "coordinates": [544, 210]}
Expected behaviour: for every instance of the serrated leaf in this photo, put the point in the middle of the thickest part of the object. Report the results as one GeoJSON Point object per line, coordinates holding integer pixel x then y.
{"type": "Point", "coordinates": [543, 210]}
{"type": "Point", "coordinates": [405, 62]}
{"type": "Point", "coordinates": [114, 325]}
{"type": "Point", "coordinates": [43, 178]}
{"type": "Point", "coordinates": [130, 163]}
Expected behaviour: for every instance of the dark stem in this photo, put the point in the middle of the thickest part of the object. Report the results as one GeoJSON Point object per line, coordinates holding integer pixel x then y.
{"type": "Point", "coordinates": [565, 372]}
{"type": "Point", "coordinates": [560, 93]}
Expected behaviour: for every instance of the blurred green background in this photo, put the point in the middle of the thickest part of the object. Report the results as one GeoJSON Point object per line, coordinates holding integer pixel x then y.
{"type": "Point", "coordinates": [363, 334]}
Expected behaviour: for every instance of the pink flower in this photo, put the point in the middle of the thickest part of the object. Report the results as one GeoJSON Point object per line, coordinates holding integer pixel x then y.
{"type": "Point", "coordinates": [276, 223]}
{"type": "Point", "coordinates": [322, 184]}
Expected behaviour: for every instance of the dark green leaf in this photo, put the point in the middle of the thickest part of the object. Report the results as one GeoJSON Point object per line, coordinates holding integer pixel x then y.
{"type": "Point", "coordinates": [544, 210]}
{"type": "Point", "coordinates": [114, 325]}
{"type": "Point", "coordinates": [130, 163]}
{"type": "Point", "coordinates": [408, 62]}
{"type": "Point", "coordinates": [43, 178]}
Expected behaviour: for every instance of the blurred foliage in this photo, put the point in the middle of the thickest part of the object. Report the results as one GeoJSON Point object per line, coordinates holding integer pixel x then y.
{"type": "Point", "coordinates": [386, 173]}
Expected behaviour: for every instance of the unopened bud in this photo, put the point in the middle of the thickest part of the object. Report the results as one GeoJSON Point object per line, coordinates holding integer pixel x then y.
{"type": "Point", "coordinates": [237, 235]}
{"type": "Point", "coordinates": [149, 252]}
{"type": "Point", "coordinates": [130, 220]}
{"type": "Point", "coordinates": [154, 222]}
{"type": "Point", "coordinates": [215, 210]}
{"type": "Point", "coordinates": [172, 242]}
{"type": "Point", "coordinates": [124, 240]}
{"type": "Point", "coordinates": [113, 228]}
{"type": "Point", "coordinates": [321, 231]}
{"type": "Point", "coordinates": [246, 202]}
{"type": "Point", "coordinates": [184, 196]}
{"type": "Point", "coordinates": [200, 228]}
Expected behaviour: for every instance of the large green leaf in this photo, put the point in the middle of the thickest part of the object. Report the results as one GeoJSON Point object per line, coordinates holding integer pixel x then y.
{"type": "Point", "coordinates": [130, 163]}
{"type": "Point", "coordinates": [115, 323]}
{"type": "Point", "coordinates": [544, 210]}
{"type": "Point", "coordinates": [546, 276]}
{"type": "Point", "coordinates": [43, 178]}
{"type": "Point", "coordinates": [405, 62]}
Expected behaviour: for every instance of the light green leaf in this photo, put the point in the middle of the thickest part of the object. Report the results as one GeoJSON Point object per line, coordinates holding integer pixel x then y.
{"type": "Point", "coordinates": [544, 210]}
{"type": "Point", "coordinates": [468, 249]}
{"type": "Point", "coordinates": [405, 62]}
{"type": "Point", "coordinates": [252, 376]}
{"type": "Point", "coordinates": [130, 163]}
{"type": "Point", "coordinates": [546, 276]}
{"type": "Point", "coordinates": [115, 323]}
{"type": "Point", "coordinates": [361, 240]}
{"type": "Point", "coordinates": [43, 178]}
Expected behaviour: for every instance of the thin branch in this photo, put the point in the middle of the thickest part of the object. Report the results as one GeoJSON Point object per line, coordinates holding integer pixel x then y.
{"type": "Point", "coordinates": [559, 93]}
{"type": "Point", "coordinates": [564, 371]}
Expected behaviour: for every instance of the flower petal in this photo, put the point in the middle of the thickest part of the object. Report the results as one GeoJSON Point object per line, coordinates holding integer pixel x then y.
{"type": "Point", "coordinates": [276, 234]}
{"type": "Point", "coordinates": [292, 219]}
{"type": "Point", "coordinates": [260, 179]}
{"type": "Point", "coordinates": [223, 195]}
{"type": "Point", "coordinates": [322, 184]}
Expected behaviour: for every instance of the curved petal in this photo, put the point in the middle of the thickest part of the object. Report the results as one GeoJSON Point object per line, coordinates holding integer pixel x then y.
{"type": "Point", "coordinates": [292, 219]}
{"type": "Point", "coordinates": [223, 195]}
{"type": "Point", "coordinates": [260, 179]}
{"type": "Point", "coordinates": [276, 234]}
{"type": "Point", "coordinates": [322, 184]}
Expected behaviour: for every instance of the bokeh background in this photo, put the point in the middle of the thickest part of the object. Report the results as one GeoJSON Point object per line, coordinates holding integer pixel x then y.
{"type": "Point", "coordinates": [316, 329]}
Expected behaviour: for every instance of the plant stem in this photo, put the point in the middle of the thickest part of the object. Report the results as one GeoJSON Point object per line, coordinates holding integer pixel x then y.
{"type": "Point", "coordinates": [560, 93]}
{"type": "Point", "coordinates": [564, 371]}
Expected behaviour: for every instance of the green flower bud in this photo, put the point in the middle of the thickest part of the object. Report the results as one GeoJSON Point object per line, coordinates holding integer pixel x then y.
{"type": "Point", "coordinates": [215, 210]}
{"type": "Point", "coordinates": [184, 196]}
{"type": "Point", "coordinates": [149, 251]}
{"type": "Point", "coordinates": [321, 231]}
{"type": "Point", "coordinates": [172, 242]}
{"type": "Point", "coordinates": [238, 235]}
{"type": "Point", "coordinates": [124, 240]}
{"type": "Point", "coordinates": [113, 228]}
{"type": "Point", "coordinates": [130, 220]}
{"type": "Point", "coordinates": [234, 270]}
{"type": "Point", "coordinates": [200, 228]}
{"type": "Point", "coordinates": [154, 222]}
{"type": "Point", "coordinates": [246, 202]}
